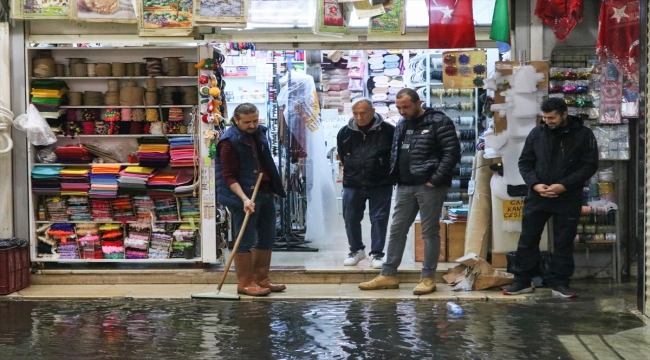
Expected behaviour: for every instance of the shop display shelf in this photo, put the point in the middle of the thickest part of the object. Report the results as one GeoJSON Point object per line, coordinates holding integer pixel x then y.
{"type": "Point", "coordinates": [182, 260]}
{"type": "Point", "coordinates": [113, 77]}
{"type": "Point", "coordinates": [120, 136]}
{"type": "Point", "coordinates": [126, 107]}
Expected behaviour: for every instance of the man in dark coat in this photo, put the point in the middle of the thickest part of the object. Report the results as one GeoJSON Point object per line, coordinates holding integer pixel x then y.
{"type": "Point", "coordinates": [364, 149]}
{"type": "Point", "coordinates": [244, 152]}
{"type": "Point", "coordinates": [558, 158]}
{"type": "Point", "coordinates": [424, 153]}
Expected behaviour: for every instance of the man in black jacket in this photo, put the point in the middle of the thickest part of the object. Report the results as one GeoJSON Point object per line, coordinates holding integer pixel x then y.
{"type": "Point", "coordinates": [364, 148]}
{"type": "Point", "coordinates": [558, 158]}
{"type": "Point", "coordinates": [424, 153]}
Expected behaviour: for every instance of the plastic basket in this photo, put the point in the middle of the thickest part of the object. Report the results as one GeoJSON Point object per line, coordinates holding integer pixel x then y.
{"type": "Point", "coordinates": [14, 269]}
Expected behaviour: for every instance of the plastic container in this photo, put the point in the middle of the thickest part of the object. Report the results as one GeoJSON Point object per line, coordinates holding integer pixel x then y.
{"type": "Point", "coordinates": [14, 269]}
{"type": "Point", "coordinates": [454, 309]}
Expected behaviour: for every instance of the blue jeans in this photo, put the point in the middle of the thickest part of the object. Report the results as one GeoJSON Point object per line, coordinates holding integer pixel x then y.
{"type": "Point", "coordinates": [260, 230]}
{"type": "Point", "coordinates": [354, 204]}
{"type": "Point", "coordinates": [408, 201]}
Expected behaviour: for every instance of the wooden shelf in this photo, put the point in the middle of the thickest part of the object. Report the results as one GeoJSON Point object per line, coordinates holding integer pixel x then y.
{"type": "Point", "coordinates": [141, 47]}
{"type": "Point", "coordinates": [112, 77]}
{"type": "Point", "coordinates": [126, 107]}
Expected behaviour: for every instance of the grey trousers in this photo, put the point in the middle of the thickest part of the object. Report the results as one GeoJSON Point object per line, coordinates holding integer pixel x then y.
{"type": "Point", "coordinates": [408, 201]}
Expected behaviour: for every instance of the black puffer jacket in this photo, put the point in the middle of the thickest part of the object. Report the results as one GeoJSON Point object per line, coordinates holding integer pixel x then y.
{"type": "Point", "coordinates": [365, 157]}
{"type": "Point", "coordinates": [434, 149]}
{"type": "Point", "coordinates": [567, 156]}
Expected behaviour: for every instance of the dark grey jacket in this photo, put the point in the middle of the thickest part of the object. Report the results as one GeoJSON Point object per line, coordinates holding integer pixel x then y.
{"type": "Point", "coordinates": [434, 149]}
{"type": "Point", "coordinates": [365, 157]}
{"type": "Point", "coordinates": [568, 156]}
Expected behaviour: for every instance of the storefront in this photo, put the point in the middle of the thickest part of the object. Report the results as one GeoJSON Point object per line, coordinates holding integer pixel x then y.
{"type": "Point", "coordinates": [612, 258]}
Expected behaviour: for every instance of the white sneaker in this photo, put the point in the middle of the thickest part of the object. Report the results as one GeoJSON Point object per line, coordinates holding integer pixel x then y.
{"type": "Point", "coordinates": [354, 257]}
{"type": "Point", "coordinates": [376, 261]}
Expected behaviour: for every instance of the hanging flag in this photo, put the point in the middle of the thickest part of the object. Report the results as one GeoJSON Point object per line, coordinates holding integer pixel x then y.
{"type": "Point", "coordinates": [618, 36]}
{"type": "Point", "coordinates": [560, 15]}
{"type": "Point", "coordinates": [451, 24]}
{"type": "Point", "coordinates": [500, 30]}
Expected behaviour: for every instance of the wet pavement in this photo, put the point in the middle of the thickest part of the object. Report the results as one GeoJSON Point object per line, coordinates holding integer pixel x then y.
{"type": "Point", "coordinates": [597, 325]}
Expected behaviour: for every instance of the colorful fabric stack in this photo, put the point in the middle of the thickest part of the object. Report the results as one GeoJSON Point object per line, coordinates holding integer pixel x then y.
{"type": "Point", "coordinates": [47, 96]}
{"type": "Point", "coordinates": [161, 242]}
{"type": "Point", "coordinates": [57, 208]}
{"type": "Point", "coordinates": [73, 154]}
{"type": "Point", "coordinates": [133, 180]}
{"type": "Point", "coordinates": [74, 181]}
{"type": "Point", "coordinates": [458, 214]}
{"type": "Point", "coordinates": [123, 209]}
{"type": "Point", "coordinates": [184, 237]}
{"type": "Point", "coordinates": [166, 209]}
{"type": "Point", "coordinates": [153, 152]}
{"type": "Point", "coordinates": [181, 150]}
{"type": "Point", "coordinates": [166, 184]}
{"type": "Point", "coordinates": [189, 208]}
{"type": "Point", "coordinates": [185, 184]}
{"type": "Point", "coordinates": [100, 210]}
{"type": "Point", "coordinates": [45, 180]}
{"type": "Point", "coordinates": [145, 208]}
{"type": "Point", "coordinates": [137, 241]}
{"type": "Point", "coordinates": [103, 181]}
{"type": "Point", "coordinates": [66, 240]}
{"type": "Point", "coordinates": [78, 208]}
{"type": "Point", "coordinates": [112, 240]}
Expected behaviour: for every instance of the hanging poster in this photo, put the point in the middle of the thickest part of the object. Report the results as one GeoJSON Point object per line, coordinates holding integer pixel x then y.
{"type": "Point", "coordinates": [116, 11]}
{"type": "Point", "coordinates": [39, 9]}
{"type": "Point", "coordinates": [165, 18]}
{"type": "Point", "coordinates": [331, 18]}
{"type": "Point", "coordinates": [286, 12]}
{"type": "Point", "coordinates": [390, 23]}
{"type": "Point", "coordinates": [218, 11]}
{"type": "Point", "coordinates": [463, 69]}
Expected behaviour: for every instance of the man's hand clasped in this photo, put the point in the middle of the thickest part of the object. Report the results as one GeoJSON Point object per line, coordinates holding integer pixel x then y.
{"type": "Point", "coordinates": [549, 191]}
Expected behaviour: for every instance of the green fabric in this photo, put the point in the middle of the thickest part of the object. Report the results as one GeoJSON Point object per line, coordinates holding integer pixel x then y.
{"type": "Point", "coordinates": [49, 84]}
{"type": "Point", "coordinates": [500, 30]}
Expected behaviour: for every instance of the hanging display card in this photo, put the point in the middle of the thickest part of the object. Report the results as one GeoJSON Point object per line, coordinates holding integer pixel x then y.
{"type": "Point", "coordinates": [390, 23]}
{"type": "Point", "coordinates": [116, 11]}
{"type": "Point", "coordinates": [611, 89]}
{"type": "Point", "coordinates": [165, 18]}
{"type": "Point", "coordinates": [231, 11]}
{"type": "Point", "coordinates": [286, 12]}
{"type": "Point", "coordinates": [330, 18]}
{"type": "Point", "coordinates": [39, 9]}
{"type": "Point", "coordinates": [463, 69]}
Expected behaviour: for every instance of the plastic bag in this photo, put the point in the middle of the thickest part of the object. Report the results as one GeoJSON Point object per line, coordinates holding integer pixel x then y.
{"type": "Point", "coordinates": [37, 129]}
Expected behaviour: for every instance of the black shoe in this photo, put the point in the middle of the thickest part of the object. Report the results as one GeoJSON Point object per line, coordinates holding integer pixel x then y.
{"type": "Point", "coordinates": [564, 291]}
{"type": "Point", "coordinates": [518, 288]}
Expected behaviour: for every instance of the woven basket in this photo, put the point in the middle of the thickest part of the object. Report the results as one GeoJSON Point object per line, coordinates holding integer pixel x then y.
{"type": "Point", "coordinates": [44, 67]}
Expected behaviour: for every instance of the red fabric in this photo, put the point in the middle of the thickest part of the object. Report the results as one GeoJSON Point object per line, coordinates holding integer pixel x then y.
{"type": "Point", "coordinates": [560, 15]}
{"type": "Point", "coordinates": [618, 36]}
{"type": "Point", "coordinates": [451, 24]}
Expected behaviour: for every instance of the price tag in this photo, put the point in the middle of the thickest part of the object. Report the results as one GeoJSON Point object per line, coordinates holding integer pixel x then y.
{"type": "Point", "coordinates": [471, 186]}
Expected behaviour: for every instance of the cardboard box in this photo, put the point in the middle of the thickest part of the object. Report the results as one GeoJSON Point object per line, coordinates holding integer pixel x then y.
{"type": "Point", "coordinates": [419, 243]}
{"type": "Point", "coordinates": [456, 240]}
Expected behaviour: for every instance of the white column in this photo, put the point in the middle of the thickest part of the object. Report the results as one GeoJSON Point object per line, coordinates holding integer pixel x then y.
{"type": "Point", "coordinates": [6, 185]}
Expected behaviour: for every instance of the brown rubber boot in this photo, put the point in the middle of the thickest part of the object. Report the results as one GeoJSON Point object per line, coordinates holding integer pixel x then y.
{"type": "Point", "coordinates": [245, 276]}
{"type": "Point", "coordinates": [261, 264]}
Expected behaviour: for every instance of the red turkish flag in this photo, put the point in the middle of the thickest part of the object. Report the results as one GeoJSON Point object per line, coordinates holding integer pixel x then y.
{"type": "Point", "coordinates": [451, 24]}
{"type": "Point", "coordinates": [560, 15]}
{"type": "Point", "coordinates": [618, 35]}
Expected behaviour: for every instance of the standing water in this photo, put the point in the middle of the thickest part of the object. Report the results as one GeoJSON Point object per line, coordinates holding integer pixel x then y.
{"type": "Point", "coordinates": [355, 329]}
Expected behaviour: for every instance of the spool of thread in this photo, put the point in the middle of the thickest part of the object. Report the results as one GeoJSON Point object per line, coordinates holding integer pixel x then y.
{"type": "Point", "coordinates": [126, 114]}
{"type": "Point", "coordinates": [151, 115]}
{"type": "Point", "coordinates": [467, 134]}
{"type": "Point", "coordinates": [76, 60]}
{"type": "Point", "coordinates": [608, 197]}
{"type": "Point", "coordinates": [130, 69]}
{"type": "Point", "coordinates": [464, 196]}
{"type": "Point", "coordinates": [154, 66]}
{"type": "Point", "coordinates": [131, 96]}
{"type": "Point", "coordinates": [118, 69]}
{"type": "Point", "coordinates": [190, 95]}
{"type": "Point", "coordinates": [465, 171]}
{"type": "Point", "coordinates": [71, 114]}
{"type": "Point", "coordinates": [466, 120]}
{"type": "Point", "coordinates": [168, 94]}
{"type": "Point", "coordinates": [607, 228]}
{"type": "Point", "coordinates": [74, 98]}
{"type": "Point", "coordinates": [88, 127]}
{"type": "Point", "coordinates": [101, 127]}
{"type": "Point", "coordinates": [594, 190]}
{"type": "Point", "coordinates": [467, 146]}
{"type": "Point", "coordinates": [606, 175]}
{"type": "Point", "coordinates": [79, 70]}
{"type": "Point", "coordinates": [60, 70]}
{"type": "Point", "coordinates": [113, 85]}
{"type": "Point", "coordinates": [183, 129]}
{"type": "Point", "coordinates": [90, 69]}
{"type": "Point", "coordinates": [103, 70]}
{"type": "Point", "coordinates": [135, 127]}
{"type": "Point", "coordinates": [183, 67]}
{"type": "Point", "coordinates": [173, 66]}
{"type": "Point", "coordinates": [589, 228]}
{"type": "Point", "coordinates": [611, 237]}
{"type": "Point", "coordinates": [152, 84]}
{"type": "Point", "coordinates": [606, 188]}
{"type": "Point", "coordinates": [112, 98]}
{"type": "Point", "coordinates": [151, 98]}
{"type": "Point", "coordinates": [124, 127]}
{"type": "Point", "coordinates": [93, 98]}
{"type": "Point", "coordinates": [131, 83]}
{"type": "Point", "coordinates": [140, 69]}
{"type": "Point", "coordinates": [137, 115]}
{"type": "Point", "coordinates": [453, 196]}
{"type": "Point", "coordinates": [468, 159]}
{"type": "Point", "coordinates": [191, 70]}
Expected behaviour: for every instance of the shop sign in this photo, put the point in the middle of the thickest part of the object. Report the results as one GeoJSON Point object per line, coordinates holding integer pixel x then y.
{"type": "Point", "coordinates": [513, 209]}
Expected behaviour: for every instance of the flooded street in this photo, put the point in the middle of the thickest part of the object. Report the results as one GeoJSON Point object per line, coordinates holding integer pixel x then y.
{"type": "Point", "coordinates": [354, 329]}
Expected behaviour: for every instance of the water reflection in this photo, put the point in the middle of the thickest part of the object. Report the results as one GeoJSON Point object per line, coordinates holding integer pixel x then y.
{"type": "Point", "coordinates": [380, 329]}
